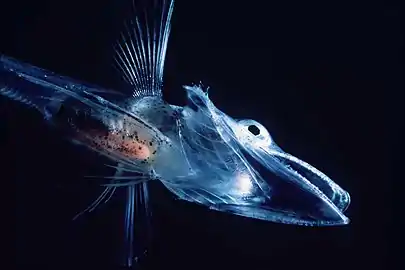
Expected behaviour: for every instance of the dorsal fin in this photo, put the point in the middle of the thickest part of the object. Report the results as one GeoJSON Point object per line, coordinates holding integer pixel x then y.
{"type": "Point", "coordinates": [141, 48]}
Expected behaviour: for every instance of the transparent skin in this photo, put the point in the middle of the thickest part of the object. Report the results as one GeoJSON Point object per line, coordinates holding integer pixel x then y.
{"type": "Point", "coordinates": [198, 152]}
{"type": "Point", "coordinates": [236, 171]}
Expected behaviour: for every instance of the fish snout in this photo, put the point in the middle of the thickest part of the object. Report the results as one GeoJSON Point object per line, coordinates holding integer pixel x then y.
{"type": "Point", "coordinates": [296, 191]}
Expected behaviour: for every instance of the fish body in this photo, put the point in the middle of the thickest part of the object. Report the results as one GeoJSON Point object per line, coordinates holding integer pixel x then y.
{"type": "Point", "coordinates": [198, 152]}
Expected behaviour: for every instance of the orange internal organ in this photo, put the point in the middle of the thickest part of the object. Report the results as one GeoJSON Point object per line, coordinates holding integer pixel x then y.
{"type": "Point", "coordinates": [118, 142]}
{"type": "Point", "coordinates": [129, 146]}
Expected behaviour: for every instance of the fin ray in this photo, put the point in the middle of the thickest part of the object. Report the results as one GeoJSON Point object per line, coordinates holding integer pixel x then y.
{"type": "Point", "coordinates": [141, 48]}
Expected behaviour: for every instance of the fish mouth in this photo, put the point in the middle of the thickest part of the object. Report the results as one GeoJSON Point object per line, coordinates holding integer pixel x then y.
{"type": "Point", "coordinates": [276, 187]}
{"type": "Point", "coordinates": [285, 189]}
{"type": "Point", "coordinates": [265, 182]}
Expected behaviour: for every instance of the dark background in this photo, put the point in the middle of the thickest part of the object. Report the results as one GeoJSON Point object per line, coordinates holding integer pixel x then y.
{"type": "Point", "coordinates": [325, 79]}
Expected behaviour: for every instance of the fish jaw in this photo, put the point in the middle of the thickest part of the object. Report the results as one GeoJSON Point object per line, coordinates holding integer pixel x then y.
{"type": "Point", "coordinates": [240, 174]}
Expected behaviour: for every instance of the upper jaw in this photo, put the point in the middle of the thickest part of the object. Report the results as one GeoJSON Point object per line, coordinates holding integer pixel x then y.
{"type": "Point", "coordinates": [296, 192]}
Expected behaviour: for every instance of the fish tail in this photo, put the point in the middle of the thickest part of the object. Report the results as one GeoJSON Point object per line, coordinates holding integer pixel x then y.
{"type": "Point", "coordinates": [40, 89]}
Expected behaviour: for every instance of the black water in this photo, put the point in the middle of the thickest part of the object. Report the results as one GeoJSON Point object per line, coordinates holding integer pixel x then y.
{"type": "Point", "coordinates": [325, 80]}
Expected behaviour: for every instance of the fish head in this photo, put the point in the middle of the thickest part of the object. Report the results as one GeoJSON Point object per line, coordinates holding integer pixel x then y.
{"type": "Point", "coordinates": [238, 168]}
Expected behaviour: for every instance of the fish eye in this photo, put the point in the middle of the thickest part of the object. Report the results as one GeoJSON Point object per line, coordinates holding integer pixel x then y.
{"type": "Point", "coordinates": [254, 130]}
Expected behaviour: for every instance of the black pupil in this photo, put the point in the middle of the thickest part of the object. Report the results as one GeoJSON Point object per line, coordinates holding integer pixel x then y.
{"type": "Point", "coordinates": [254, 130]}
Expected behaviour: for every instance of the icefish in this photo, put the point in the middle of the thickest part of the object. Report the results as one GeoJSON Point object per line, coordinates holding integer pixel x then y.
{"type": "Point", "coordinates": [198, 152]}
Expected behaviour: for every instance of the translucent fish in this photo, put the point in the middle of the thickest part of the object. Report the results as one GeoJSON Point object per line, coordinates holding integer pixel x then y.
{"type": "Point", "coordinates": [198, 152]}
